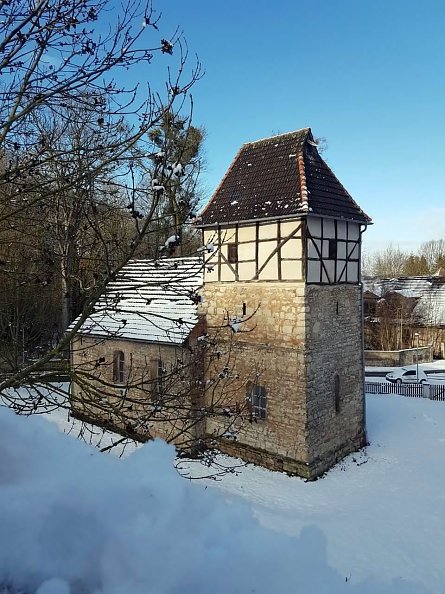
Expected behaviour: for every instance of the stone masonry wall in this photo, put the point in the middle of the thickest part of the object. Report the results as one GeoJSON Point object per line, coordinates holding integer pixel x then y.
{"type": "Point", "coordinates": [131, 407]}
{"type": "Point", "coordinates": [294, 342]}
{"type": "Point", "coordinates": [399, 358]}
{"type": "Point", "coordinates": [269, 351]}
{"type": "Point", "coordinates": [334, 346]}
{"type": "Point", "coordinates": [277, 310]}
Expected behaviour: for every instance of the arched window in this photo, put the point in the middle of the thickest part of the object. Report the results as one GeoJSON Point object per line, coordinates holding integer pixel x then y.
{"type": "Point", "coordinates": [118, 367]}
{"type": "Point", "coordinates": [337, 393]}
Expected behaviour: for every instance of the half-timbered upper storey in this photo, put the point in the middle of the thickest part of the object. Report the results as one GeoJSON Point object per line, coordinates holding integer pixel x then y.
{"type": "Point", "coordinates": [280, 213]}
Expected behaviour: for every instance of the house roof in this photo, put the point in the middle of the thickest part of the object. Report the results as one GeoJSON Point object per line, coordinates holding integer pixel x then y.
{"type": "Point", "coordinates": [151, 300]}
{"type": "Point", "coordinates": [281, 176]}
{"type": "Point", "coordinates": [428, 290]}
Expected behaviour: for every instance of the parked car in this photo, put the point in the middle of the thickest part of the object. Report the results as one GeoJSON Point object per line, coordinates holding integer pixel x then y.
{"type": "Point", "coordinates": [406, 376]}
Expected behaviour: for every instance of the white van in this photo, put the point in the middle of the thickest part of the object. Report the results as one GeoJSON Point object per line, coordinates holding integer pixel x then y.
{"type": "Point", "coordinates": [406, 376]}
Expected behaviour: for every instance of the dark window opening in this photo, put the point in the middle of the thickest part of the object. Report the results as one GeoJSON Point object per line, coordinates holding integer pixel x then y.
{"type": "Point", "coordinates": [257, 398]}
{"type": "Point", "coordinates": [118, 367]}
{"type": "Point", "coordinates": [370, 307]}
{"type": "Point", "coordinates": [232, 253]}
{"type": "Point", "coordinates": [332, 249]}
{"type": "Point", "coordinates": [157, 378]}
{"type": "Point", "coordinates": [337, 393]}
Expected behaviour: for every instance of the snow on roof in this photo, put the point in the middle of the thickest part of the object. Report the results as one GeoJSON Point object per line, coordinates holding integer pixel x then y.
{"type": "Point", "coordinates": [151, 300]}
{"type": "Point", "coordinates": [428, 290]}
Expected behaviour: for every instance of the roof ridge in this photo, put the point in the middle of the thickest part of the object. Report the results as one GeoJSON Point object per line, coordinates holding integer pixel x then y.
{"type": "Point", "coordinates": [166, 260]}
{"type": "Point", "coordinates": [307, 129]}
{"type": "Point", "coordinates": [303, 183]}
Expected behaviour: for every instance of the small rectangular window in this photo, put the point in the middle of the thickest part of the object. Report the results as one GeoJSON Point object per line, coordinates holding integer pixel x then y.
{"type": "Point", "coordinates": [118, 367]}
{"type": "Point", "coordinates": [370, 307]}
{"type": "Point", "coordinates": [332, 249]}
{"type": "Point", "coordinates": [337, 393]}
{"type": "Point", "coordinates": [232, 253]}
{"type": "Point", "coordinates": [157, 378]}
{"type": "Point", "coordinates": [258, 400]}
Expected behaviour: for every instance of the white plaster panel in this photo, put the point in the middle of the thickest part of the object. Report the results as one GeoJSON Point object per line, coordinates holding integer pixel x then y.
{"type": "Point", "coordinates": [353, 250]}
{"type": "Point", "coordinates": [270, 271]}
{"type": "Point", "coordinates": [341, 271]}
{"type": "Point", "coordinates": [228, 235]}
{"type": "Point", "coordinates": [353, 272]}
{"type": "Point", "coordinates": [341, 249]}
{"type": "Point", "coordinates": [268, 231]}
{"type": "Point", "coordinates": [264, 250]}
{"type": "Point", "coordinates": [247, 233]}
{"type": "Point", "coordinates": [211, 262]}
{"type": "Point", "coordinates": [341, 229]}
{"type": "Point", "coordinates": [328, 228]}
{"type": "Point", "coordinates": [330, 267]}
{"type": "Point", "coordinates": [291, 249]}
{"type": "Point", "coordinates": [246, 270]}
{"type": "Point", "coordinates": [210, 275]}
{"type": "Point", "coordinates": [246, 251]}
{"type": "Point", "coordinates": [314, 225]}
{"type": "Point", "coordinates": [226, 273]}
{"type": "Point", "coordinates": [210, 237]}
{"type": "Point", "coordinates": [289, 226]}
{"type": "Point", "coordinates": [311, 251]}
{"type": "Point", "coordinates": [313, 272]}
{"type": "Point", "coordinates": [291, 270]}
{"type": "Point", "coordinates": [325, 252]}
{"type": "Point", "coordinates": [354, 231]}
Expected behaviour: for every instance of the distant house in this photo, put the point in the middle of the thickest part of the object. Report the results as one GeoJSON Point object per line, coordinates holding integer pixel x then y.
{"type": "Point", "coordinates": [278, 380]}
{"type": "Point", "coordinates": [395, 309]}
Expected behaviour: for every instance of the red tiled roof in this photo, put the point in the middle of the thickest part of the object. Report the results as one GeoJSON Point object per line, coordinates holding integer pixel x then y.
{"type": "Point", "coordinates": [278, 177]}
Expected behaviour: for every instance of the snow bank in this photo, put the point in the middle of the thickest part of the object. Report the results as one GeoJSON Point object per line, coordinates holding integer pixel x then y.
{"type": "Point", "coordinates": [74, 520]}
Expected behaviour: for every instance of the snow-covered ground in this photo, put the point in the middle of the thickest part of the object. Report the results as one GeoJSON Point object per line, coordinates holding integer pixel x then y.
{"type": "Point", "coordinates": [381, 511]}
{"type": "Point", "coordinates": [93, 523]}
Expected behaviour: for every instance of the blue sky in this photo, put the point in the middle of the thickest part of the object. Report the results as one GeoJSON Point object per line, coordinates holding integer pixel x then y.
{"type": "Point", "coordinates": [366, 75]}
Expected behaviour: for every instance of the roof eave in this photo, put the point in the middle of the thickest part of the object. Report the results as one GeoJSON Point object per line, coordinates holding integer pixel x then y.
{"type": "Point", "coordinates": [301, 215]}
{"type": "Point", "coordinates": [102, 337]}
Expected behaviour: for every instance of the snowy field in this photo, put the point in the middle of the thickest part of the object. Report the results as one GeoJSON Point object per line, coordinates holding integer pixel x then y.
{"type": "Point", "coordinates": [381, 512]}
{"type": "Point", "coordinates": [74, 520]}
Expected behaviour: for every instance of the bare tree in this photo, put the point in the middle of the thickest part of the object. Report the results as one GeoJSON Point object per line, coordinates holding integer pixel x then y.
{"type": "Point", "coordinates": [393, 262]}
{"type": "Point", "coordinates": [389, 263]}
{"type": "Point", "coordinates": [58, 60]}
{"type": "Point", "coordinates": [90, 169]}
{"type": "Point", "coordinates": [434, 253]}
{"type": "Point", "coordinates": [392, 329]}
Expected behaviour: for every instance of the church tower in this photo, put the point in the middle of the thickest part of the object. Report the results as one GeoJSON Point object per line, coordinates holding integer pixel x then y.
{"type": "Point", "coordinates": [287, 238]}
